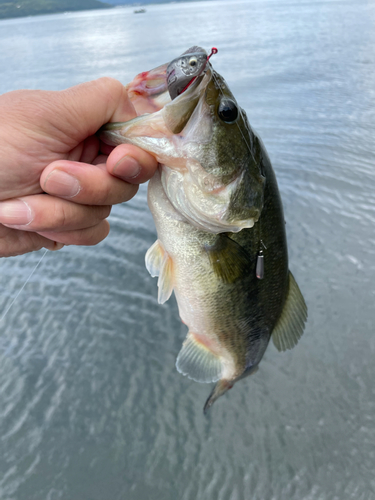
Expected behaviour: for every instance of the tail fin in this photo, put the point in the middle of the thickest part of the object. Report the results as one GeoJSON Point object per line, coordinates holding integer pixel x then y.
{"type": "Point", "coordinates": [224, 385]}
{"type": "Point", "coordinates": [220, 388]}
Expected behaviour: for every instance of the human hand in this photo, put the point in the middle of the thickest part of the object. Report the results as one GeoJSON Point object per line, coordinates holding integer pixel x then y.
{"type": "Point", "coordinates": [57, 181]}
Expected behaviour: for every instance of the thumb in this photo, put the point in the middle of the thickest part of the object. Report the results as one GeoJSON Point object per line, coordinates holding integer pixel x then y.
{"type": "Point", "coordinates": [90, 105]}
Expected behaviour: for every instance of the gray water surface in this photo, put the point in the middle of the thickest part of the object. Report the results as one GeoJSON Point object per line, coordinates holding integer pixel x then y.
{"type": "Point", "coordinates": [91, 405]}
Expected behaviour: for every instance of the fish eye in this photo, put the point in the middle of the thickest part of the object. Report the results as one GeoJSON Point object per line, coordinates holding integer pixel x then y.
{"type": "Point", "coordinates": [193, 61]}
{"type": "Point", "coordinates": [227, 111]}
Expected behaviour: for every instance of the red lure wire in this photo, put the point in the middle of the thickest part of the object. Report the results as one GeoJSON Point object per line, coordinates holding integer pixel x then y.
{"type": "Point", "coordinates": [213, 51]}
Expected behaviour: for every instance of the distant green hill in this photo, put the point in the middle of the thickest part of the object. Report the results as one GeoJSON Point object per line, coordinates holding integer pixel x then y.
{"type": "Point", "coordinates": [20, 8]}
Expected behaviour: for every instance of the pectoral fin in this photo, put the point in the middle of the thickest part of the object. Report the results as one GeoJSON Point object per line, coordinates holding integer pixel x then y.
{"type": "Point", "coordinates": [154, 258]}
{"type": "Point", "coordinates": [198, 361]}
{"type": "Point", "coordinates": [229, 260]}
{"type": "Point", "coordinates": [159, 263]}
{"type": "Point", "coordinates": [291, 324]}
{"type": "Point", "coordinates": [165, 281]}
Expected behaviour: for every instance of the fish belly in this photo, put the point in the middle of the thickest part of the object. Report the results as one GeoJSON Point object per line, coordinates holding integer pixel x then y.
{"type": "Point", "coordinates": [217, 313]}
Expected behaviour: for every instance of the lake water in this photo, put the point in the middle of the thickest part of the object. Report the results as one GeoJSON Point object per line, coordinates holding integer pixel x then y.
{"type": "Point", "coordinates": [91, 405]}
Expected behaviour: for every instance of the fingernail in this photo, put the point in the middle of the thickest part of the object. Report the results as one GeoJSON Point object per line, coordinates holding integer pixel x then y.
{"type": "Point", "coordinates": [60, 183]}
{"type": "Point", "coordinates": [15, 213]}
{"type": "Point", "coordinates": [127, 168]}
{"type": "Point", "coordinates": [56, 246]}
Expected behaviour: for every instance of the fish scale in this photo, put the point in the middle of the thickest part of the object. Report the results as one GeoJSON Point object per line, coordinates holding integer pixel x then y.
{"type": "Point", "coordinates": [217, 209]}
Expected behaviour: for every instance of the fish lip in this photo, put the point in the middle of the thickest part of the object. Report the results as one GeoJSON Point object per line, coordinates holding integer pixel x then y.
{"type": "Point", "coordinates": [193, 87]}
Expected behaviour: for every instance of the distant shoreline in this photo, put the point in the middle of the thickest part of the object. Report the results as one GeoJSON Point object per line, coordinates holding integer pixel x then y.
{"type": "Point", "coordinates": [26, 8]}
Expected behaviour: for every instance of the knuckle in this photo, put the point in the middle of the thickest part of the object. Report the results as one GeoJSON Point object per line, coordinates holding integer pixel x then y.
{"type": "Point", "coordinates": [93, 235]}
{"type": "Point", "coordinates": [114, 192]}
{"type": "Point", "coordinates": [111, 87]}
{"type": "Point", "coordinates": [130, 191]}
{"type": "Point", "coordinates": [4, 249]}
{"type": "Point", "coordinates": [108, 81]}
{"type": "Point", "coordinates": [62, 215]}
{"type": "Point", "coordinates": [60, 218]}
{"type": "Point", "coordinates": [103, 196]}
{"type": "Point", "coordinates": [104, 211]}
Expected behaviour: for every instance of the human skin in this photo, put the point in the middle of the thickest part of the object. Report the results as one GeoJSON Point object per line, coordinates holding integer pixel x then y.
{"type": "Point", "coordinates": [57, 181]}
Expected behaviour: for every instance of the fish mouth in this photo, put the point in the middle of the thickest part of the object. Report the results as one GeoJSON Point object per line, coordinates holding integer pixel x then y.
{"type": "Point", "coordinates": [178, 112]}
{"type": "Point", "coordinates": [169, 119]}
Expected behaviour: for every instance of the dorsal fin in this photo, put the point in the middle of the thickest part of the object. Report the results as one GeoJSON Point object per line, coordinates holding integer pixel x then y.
{"type": "Point", "coordinates": [291, 323]}
{"type": "Point", "coordinates": [229, 260]}
{"type": "Point", "coordinates": [198, 362]}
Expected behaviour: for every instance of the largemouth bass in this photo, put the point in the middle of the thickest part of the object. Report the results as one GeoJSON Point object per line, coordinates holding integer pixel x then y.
{"type": "Point", "coordinates": [221, 243]}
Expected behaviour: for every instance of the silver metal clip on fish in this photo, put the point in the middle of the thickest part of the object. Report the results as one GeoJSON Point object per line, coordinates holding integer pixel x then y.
{"type": "Point", "coordinates": [259, 270]}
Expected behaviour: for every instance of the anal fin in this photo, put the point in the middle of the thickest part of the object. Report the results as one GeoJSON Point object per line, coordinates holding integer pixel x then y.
{"type": "Point", "coordinates": [198, 362]}
{"type": "Point", "coordinates": [290, 326]}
